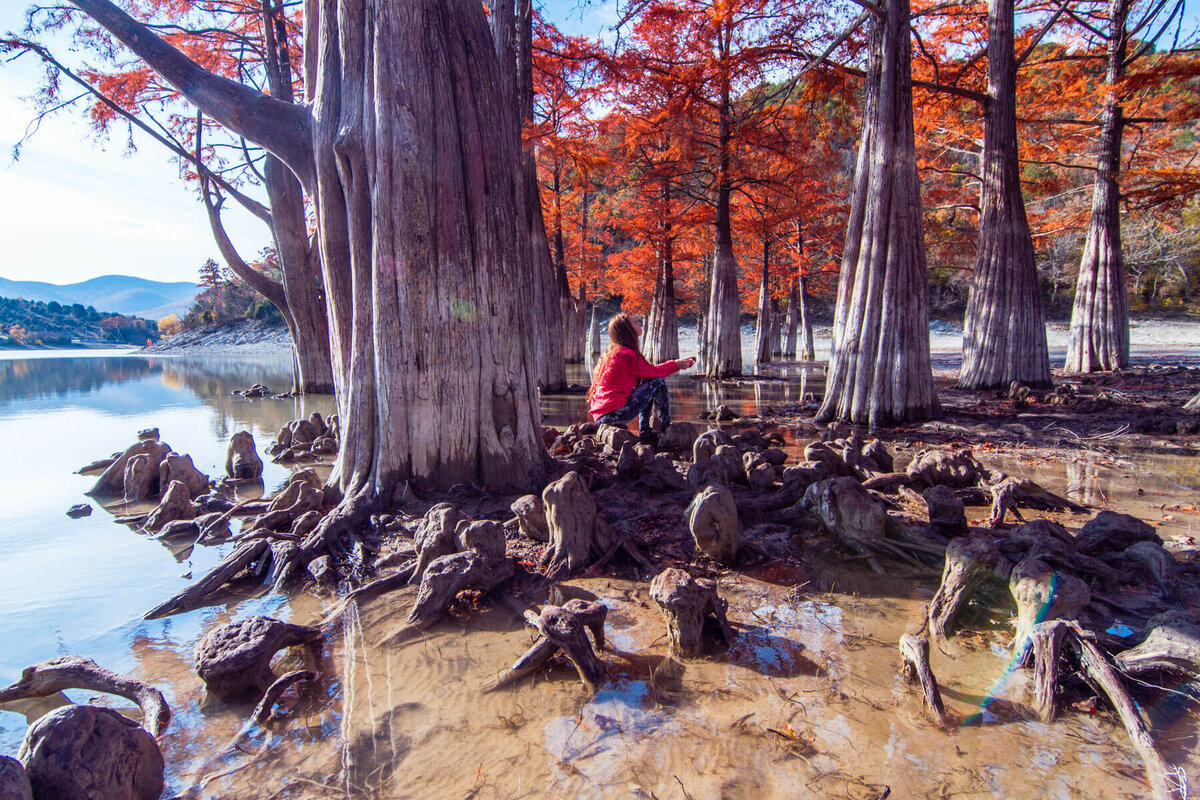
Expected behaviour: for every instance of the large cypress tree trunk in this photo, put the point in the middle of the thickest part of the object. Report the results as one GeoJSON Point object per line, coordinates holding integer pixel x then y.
{"type": "Point", "coordinates": [766, 324]}
{"type": "Point", "coordinates": [879, 370]}
{"type": "Point", "coordinates": [1100, 317]}
{"type": "Point", "coordinates": [1004, 338]}
{"type": "Point", "coordinates": [723, 331]}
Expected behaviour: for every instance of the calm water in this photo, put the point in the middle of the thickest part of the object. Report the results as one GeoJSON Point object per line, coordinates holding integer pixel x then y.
{"type": "Point", "coordinates": [81, 586]}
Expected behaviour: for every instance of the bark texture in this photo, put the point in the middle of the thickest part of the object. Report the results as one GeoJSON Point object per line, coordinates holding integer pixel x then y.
{"type": "Point", "coordinates": [662, 324]}
{"type": "Point", "coordinates": [1004, 336]}
{"type": "Point", "coordinates": [721, 344]}
{"type": "Point", "coordinates": [879, 369]}
{"type": "Point", "coordinates": [763, 346]}
{"type": "Point", "coordinates": [1099, 337]}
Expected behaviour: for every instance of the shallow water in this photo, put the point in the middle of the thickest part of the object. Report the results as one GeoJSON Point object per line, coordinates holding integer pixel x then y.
{"type": "Point", "coordinates": [806, 703]}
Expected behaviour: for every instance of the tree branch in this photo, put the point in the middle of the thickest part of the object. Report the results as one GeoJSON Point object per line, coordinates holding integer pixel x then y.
{"type": "Point", "coordinates": [283, 128]}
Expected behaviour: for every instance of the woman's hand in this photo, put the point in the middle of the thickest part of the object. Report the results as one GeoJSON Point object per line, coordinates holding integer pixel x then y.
{"type": "Point", "coordinates": [686, 363]}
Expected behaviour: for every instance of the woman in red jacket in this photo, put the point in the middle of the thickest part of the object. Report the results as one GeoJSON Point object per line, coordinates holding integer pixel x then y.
{"type": "Point", "coordinates": [625, 385]}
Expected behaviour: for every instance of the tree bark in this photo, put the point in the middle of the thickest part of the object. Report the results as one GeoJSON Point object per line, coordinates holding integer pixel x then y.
{"type": "Point", "coordinates": [765, 323]}
{"type": "Point", "coordinates": [1099, 337]}
{"type": "Point", "coordinates": [1004, 337]}
{"type": "Point", "coordinates": [879, 371]}
{"type": "Point", "coordinates": [662, 324]}
{"type": "Point", "coordinates": [723, 340]}
{"type": "Point", "coordinates": [806, 328]}
{"type": "Point", "coordinates": [790, 323]}
{"type": "Point", "coordinates": [574, 309]}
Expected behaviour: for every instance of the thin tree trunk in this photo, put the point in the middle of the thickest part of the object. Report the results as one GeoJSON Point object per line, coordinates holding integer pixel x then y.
{"type": "Point", "coordinates": [789, 327]}
{"type": "Point", "coordinates": [662, 329]}
{"type": "Point", "coordinates": [806, 328]}
{"type": "Point", "coordinates": [723, 345]}
{"type": "Point", "coordinates": [594, 338]}
{"type": "Point", "coordinates": [1004, 338]}
{"type": "Point", "coordinates": [765, 324]}
{"type": "Point", "coordinates": [702, 344]}
{"type": "Point", "coordinates": [879, 371]}
{"type": "Point", "coordinates": [1099, 337]}
{"type": "Point", "coordinates": [574, 310]}
{"type": "Point", "coordinates": [776, 330]}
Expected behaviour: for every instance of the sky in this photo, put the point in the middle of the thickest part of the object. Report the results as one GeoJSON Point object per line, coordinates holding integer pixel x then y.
{"type": "Point", "coordinates": [75, 206]}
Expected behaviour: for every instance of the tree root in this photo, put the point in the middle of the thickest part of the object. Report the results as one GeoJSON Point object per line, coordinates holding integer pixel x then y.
{"type": "Point", "coordinates": [562, 630]}
{"type": "Point", "coordinates": [968, 563]}
{"type": "Point", "coordinates": [689, 605]}
{"type": "Point", "coordinates": [914, 668]}
{"type": "Point", "coordinates": [72, 672]}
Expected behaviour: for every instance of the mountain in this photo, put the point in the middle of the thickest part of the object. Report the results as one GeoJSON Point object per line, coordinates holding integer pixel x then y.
{"type": "Point", "coordinates": [121, 294]}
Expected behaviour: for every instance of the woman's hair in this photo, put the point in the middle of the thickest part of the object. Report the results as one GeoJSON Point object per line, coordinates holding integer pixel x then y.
{"type": "Point", "coordinates": [621, 333]}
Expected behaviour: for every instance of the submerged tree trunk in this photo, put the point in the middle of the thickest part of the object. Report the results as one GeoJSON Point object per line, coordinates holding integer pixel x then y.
{"type": "Point", "coordinates": [1004, 337]}
{"type": "Point", "coordinates": [766, 322]}
{"type": "Point", "coordinates": [1100, 317]}
{"type": "Point", "coordinates": [879, 370]}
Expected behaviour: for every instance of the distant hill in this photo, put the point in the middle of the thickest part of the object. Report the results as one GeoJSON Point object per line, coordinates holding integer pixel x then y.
{"type": "Point", "coordinates": [120, 294]}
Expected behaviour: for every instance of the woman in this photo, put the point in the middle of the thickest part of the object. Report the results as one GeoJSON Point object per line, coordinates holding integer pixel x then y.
{"type": "Point", "coordinates": [625, 385]}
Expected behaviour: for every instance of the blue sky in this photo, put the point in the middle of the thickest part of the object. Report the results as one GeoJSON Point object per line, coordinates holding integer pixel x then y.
{"type": "Point", "coordinates": [75, 206]}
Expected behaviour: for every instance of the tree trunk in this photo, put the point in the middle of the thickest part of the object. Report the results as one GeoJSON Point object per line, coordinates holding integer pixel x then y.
{"type": "Point", "coordinates": [766, 323]}
{"type": "Point", "coordinates": [789, 326]}
{"type": "Point", "coordinates": [662, 330]}
{"type": "Point", "coordinates": [1100, 317]}
{"type": "Point", "coordinates": [594, 336]}
{"type": "Point", "coordinates": [806, 328]}
{"type": "Point", "coordinates": [574, 311]}
{"type": "Point", "coordinates": [1004, 338]}
{"type": "Point", "coordinates": [776, 330]}
{"type": "Point", "coordinates": [702, 335]}
{"type": "Point", "coordinates": [879, 370]}
{"type": "Point", "coordinates": [512, 35]}
{"type": "Point", "coordinates": [723, 344]}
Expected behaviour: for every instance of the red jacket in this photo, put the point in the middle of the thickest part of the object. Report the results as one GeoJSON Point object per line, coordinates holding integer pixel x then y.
{"type": "Point", "coordinates": [617, 377]}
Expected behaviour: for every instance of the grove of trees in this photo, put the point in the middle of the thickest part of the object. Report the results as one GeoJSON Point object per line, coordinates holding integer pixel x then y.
{"type": "Point", "coordinates": [450, 186]}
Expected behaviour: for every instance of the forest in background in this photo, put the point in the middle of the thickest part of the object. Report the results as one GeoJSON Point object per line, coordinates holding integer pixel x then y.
{"type": "Point", "coordinates": [32, 323]}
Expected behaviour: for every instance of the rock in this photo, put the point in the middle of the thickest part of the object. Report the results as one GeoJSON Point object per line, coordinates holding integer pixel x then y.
{"type": "Point", "coordinates": [706, 472]}
{"type": "Point", "coordinates": [241, 457]}
{"type": "Point", "coordinates": [80, 510]}
{"type": "Point", "coordinates": [774, 456]}
{"type": "Point", "coordinates": [318, 424]}
{"type": "Point", "coordinates": [1110, 532]}
{"type": "Point", "coordinates": [137, 479]}
{"type": "Point", "coordinates": [713, 520]}
{"type": "Point", "coordinates": [728, 457]}
{"type": "Point", "coordinates": [679, 437]}
{"type": "Point", "coordinates": [14, 783]}
{"type": "Point", "coordinates": [760, 474]}
{"type": "Point", "coordinates": [78, 752]}
{"type": "Point", "coordinates": [531, 515]}
{"type": "Point", "coordinates": [875, 451]}
{"type": "Point", "coordinates": [957, 468]}
{"type": "Point", "coordinates": [848, 511]}
{"type": "Point", "coordinates": [689, 604]}
{"type": "Point", "coordinates": [821, 453]}
{"type": "Point", "coordinates": [176, 467]}
{"type": "Point", "coordinates": [628, 463]}
{"type": "Point", "coordinates": [1155, 559]}
{"type": "Point", "coordinates": [724, 414]}
{"type": "Point", "coordinates": [176, 504]}
{"type": "Point", "coordinates": [706, 444]}
{"type": "Point", "coordinates": [324, 445]}
{"type": "Point", "coordinates": [235, 659]}
{"type": "Point", "coordinates": [614, 438]}
{"type": "Point", "coordinates": [322, 571]}
{"type": "Point", "coordinates": [947, 517]}
{"type": "Point", "coordinates": [112, 480]}
{"type": "Point", "coordinates": [303, 432]}
{"type": "Point", "coordinates": [148, 435]}
{"type": "Point", "coordinates": [98, 464]}
{"type": "Point", "coordinates": [179, 529]}
{"type": "Point", "coordinates": [806, 473]}
{"type": "Point", "coordinates": [284, 437]}
{"type": "Point", "coordinates": [578, 535]}
{"type": "Point", "coordinates": [659, 474]}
